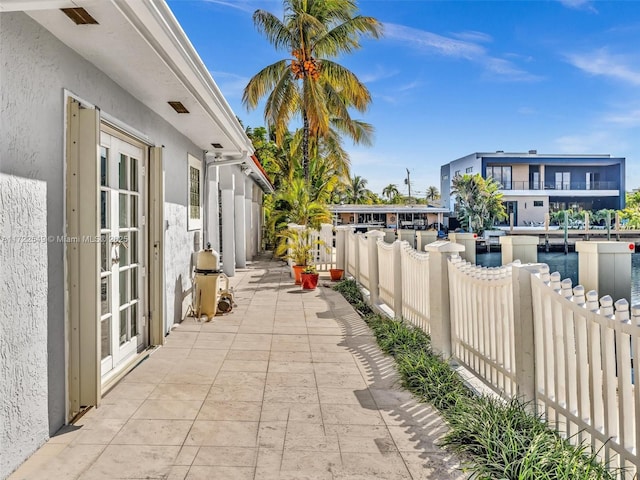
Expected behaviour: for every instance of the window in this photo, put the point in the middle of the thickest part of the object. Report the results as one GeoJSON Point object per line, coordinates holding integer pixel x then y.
{"type": "Point", "coordinates": [538, 203]}
{"type": "Point", "coordinates": [501, 174]}
{"type": "Point", "coordinates": [469, 170]}
{"type": "Point", "coordinates": [563, 180]}
{"type": "Point", "coordinates": [194, 219]}
{"type": "Point", "coordinates": [457, 174]}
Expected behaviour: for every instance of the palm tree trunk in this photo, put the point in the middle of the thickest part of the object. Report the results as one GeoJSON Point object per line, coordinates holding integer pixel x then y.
{"type": "Point", "coordinates": [305, 145]}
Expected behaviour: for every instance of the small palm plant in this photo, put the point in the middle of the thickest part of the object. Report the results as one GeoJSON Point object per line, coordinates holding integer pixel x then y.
{"type": "Point", "coordinates": [297, 245]}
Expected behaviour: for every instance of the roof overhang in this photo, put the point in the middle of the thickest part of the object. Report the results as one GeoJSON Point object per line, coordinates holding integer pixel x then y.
{"type": "Point", "coordinates": [141, 46]}
{"type": "Point", "coordinates": [352, 208]}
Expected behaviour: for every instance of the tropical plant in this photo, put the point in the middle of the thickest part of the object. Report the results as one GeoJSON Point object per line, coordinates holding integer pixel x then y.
{"type": "Point", "coordinates": [310, 269]}
{"type": "Point", "coordinates": [631, 213]}
{"type": "Point", "coordinates": [297, 245]}
{"type": "Point", "coordinates": [433, 194]}
{"type": "Point", "coordinates": [390, 191]}
{"type": "Point", "coordinates": [478, 201]}
{"type": "Point", "coordinates": [357, 191]}
{"type": "Point", "coordinates": [309, 83]}
{"type": "Point", "coordinates": [293, 203]}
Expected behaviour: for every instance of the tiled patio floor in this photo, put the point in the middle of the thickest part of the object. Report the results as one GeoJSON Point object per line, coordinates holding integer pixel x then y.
{"type": "Point", "coordinates": [290, 385]}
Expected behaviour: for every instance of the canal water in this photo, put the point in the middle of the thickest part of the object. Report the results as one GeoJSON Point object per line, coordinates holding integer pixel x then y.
{"type": "Point", "coordinates": [567, 266]}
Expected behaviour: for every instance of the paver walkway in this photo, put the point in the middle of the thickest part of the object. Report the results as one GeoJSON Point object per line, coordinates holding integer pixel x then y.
{"type": "Point", "coordinates": [290, 385]}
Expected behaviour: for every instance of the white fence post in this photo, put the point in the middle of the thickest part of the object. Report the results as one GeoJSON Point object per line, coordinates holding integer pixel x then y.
{"type": "Point", "coordinates": [469, 241]}
{"type": "Point", "coordinates": [523, 331]}
{"type": "Point", "coordinates": [605, 267]}
{"type": "Point", "coordinates": [439, 301]}
{"type": "Point", "coordinates": [408, 236]}
{"type": "Point", "coordinates": [523, 248]}
{"type": "Point", "coordinates": [397, 279]}
{"type": "Point", "coordinates": [356, 257]}
{"type": "Point", "coordinates": [341, 247]}
{"type": "Point", "coordinates": [374, 279]}
{"type": "Point", "coordinates": [425, 237]}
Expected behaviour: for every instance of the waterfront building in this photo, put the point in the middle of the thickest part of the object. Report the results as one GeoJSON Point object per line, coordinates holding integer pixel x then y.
{"type": "Point", "coordinates": [417, 217]}
{"type": "Point", "coordinates": [535, 184]}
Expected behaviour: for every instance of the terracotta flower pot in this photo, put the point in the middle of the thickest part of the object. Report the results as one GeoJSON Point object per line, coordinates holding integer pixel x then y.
{"type": "Point", "coordinates": [336, 274]}
{"type": "Point", "coordinates": [297, 271]}
{"type": "Point", "coordinates": [310, 281]}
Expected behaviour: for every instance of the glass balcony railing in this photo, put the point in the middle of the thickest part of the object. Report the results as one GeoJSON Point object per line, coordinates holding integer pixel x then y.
{"type": "Point", "coordinates": [558, 185]}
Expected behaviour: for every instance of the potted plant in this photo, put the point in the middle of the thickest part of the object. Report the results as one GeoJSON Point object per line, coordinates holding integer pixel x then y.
{"type": "Point", "coordinates": [309, 278]}
{"type": "Point", "coordinates": [336, 274]}
{"type": "Point", "coordinates": [297, 245]}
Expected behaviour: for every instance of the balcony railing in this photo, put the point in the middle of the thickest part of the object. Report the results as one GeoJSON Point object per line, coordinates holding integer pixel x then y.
{"type": "Point", "coordinates": [529, 185]}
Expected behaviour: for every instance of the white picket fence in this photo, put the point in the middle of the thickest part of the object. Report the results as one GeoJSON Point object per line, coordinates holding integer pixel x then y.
{"type": "Point", "coordinates": [481, 313]}
{"type": "Point", "coordinates": [415, 304]}
{"type": "Point", "coordinates": [324, 251]}
{"type": "Point", "coordinates": [585, 380]}
{"type": "Point", "coordinates": [521, 331]}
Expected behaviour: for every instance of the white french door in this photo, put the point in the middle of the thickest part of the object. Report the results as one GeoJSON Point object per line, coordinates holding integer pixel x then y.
{"type": "Point", "coordinates": [123, 326]}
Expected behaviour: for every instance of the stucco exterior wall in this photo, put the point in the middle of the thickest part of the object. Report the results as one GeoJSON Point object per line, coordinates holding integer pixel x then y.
{"type": "Point", "coordinates": [180, 245]}
{"type": "Point", "coordinates": [527, 212]}
{"type": "Point", "coordinates": [23, 319]}
{"type": "Point", "coordinates": [36, 68]}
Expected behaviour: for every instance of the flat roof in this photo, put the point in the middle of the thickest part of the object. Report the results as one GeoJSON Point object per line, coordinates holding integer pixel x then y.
{"type": "Point", "coordinates": [353, 208]}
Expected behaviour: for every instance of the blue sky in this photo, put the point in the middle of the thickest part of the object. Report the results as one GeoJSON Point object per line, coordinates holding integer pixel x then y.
{"type": "Point", "coordinates": [450, 78]}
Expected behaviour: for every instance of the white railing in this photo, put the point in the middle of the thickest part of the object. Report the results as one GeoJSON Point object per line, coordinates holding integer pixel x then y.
{"type": "Point", "coordinates": [385, 264]}
{"type": "Point", "coordinates": [324, 252]}
{"type": "Point", "coordinates": [521, 331]}
{"type": "Point", "coordinates": [481, 311]}
{"type": "Point", "coordinates": [415, 284]}
{"type": "Point", "coordinates": [585, 380]}
{"type": "Point", "coordinates": [363, 261]}
{"type": "Point", "coordinates": [351, 257]}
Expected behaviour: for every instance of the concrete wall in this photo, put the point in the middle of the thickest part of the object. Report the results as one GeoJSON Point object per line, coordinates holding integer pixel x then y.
{"type": "Point", "coordinates": [36, 68]}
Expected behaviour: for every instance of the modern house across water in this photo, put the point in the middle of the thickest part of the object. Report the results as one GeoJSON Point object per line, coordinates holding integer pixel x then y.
{"type": "Point", "coordinates": [535, 184]}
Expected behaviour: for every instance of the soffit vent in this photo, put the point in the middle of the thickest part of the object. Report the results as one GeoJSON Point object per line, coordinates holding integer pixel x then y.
{"type": "Point", "coordinates": [79, 16]}
{"type": "Point", "coordinates": [178, 107]}
{"type": "Point", "coordinates": [216, 145]}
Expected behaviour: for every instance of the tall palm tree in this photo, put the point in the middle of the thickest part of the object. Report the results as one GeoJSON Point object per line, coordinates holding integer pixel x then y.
{"type": "Point", "coordinates": [433, 193]}
{"type": "Point", "coordinates": [390, 191]}
{"type": "Point", "coordinates": [357, 191]}
{"type": "Point", "coordinates": [309, 83]}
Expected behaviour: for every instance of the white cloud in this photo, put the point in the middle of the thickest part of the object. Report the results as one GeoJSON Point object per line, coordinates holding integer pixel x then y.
{"type": "Point", "coordinates": [473, 36]}
{"type": "Point", "coordinates": [250, 6]}
{"type": "Point", "coordinates": [602, 62]}
{"type": "Point", "coordinates": [244, 6]}
{"type": "Point", "coordinates": [432, 43]}
{"type": "Point", "coordinates": [592, 142]}
{"type": "Point", "coordinates": [231, 84]}
{"type": "Point", "coordinates": [409, 86]}
{"type": "Point", "coordinates": [579, 5]}
{"type": "Point", "coordinates": [379, 73]}
{"type": "Point", "coordinates": [527, 111]}
{"type": "Point", "coordinates": [625, 119]}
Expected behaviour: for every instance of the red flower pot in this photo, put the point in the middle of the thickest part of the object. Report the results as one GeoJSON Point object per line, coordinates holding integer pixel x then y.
{"type": "Point", "coordinates": [309, 281]}
{"type": "Point", "coordinates": [297, 271]}
{"type": "Point", "coordinates": [336, 274]}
